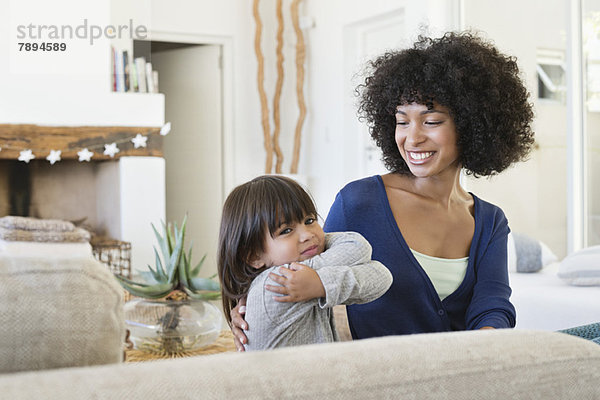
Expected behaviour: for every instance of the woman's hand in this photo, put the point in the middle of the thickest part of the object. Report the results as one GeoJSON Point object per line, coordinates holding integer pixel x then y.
{"type": "Point", "coordinates": [298, 283]}
{"type": "Point", "coordinates": [239, 325]}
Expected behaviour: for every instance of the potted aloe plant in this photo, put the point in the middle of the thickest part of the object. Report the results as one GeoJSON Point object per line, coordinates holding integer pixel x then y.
{"type": "Point", "coordinates": [172, 313]}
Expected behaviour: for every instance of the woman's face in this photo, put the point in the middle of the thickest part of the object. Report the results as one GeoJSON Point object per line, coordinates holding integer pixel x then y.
{"type": "Point", "coordinates": [426, 139]}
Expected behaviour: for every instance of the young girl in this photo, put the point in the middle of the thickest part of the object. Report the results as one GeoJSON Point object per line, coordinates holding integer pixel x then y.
{"type": "Point", "coordinates": [273, 251]}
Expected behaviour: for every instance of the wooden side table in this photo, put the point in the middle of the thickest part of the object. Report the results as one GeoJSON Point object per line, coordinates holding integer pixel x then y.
{"type": "Point", "coordinates": [224, 343]}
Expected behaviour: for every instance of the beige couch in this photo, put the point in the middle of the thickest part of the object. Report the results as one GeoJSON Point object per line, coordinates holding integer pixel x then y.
{"type": "Point", "coordinates": [503, 364]}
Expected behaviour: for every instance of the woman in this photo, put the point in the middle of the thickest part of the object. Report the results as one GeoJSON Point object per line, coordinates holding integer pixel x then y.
{"type": "Point", "coordinates": [444, 105]}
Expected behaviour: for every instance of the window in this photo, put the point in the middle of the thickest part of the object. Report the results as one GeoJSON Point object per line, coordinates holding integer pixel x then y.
{"type": "Point", "coordinates": [551, 75]}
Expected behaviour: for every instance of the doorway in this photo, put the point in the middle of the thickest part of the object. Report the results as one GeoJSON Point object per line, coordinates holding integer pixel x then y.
{"type": "Point", "coordinates": [191, 78]}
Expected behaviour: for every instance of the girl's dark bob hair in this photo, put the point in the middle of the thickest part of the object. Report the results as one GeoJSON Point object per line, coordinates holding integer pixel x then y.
{"type": "Point", "coordinates": [481, 87]}
{"type": "Point", "coordinates": [251, 210]}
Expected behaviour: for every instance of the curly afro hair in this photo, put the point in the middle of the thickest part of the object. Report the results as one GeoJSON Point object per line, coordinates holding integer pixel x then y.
{"type": "Point", "coordinates": [480, 86]}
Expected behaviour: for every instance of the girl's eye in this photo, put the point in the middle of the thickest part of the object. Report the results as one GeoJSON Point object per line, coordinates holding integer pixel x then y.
{"type": "Point", "coordinates": [401, 123]}
{"type": "Point", "coordinates": [433, 122]}
{"type": "Point", "coordinates": [309, 221]}
{"type": "Point", "coordinates": [285, 231]}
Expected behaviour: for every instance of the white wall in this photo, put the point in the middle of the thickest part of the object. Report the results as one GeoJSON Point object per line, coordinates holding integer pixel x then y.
{"type": "Point", "coordinates": [329, 161]}
{"type": "Point", "coordinates": [81, 98]}
{"type": "Point", "coordinates": [325, 161]}
{"type": "Point", "coordinates": [70, 87]}
{"type": "Point", "coordinates": [324, 166]}
{"type": "Point", "coordinates": [532, 194]}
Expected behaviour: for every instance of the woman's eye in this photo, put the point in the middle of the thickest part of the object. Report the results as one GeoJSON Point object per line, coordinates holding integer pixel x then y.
{"type": "Point", "coordinates": [285, 231]}
{"type": "Point", "coordinates": [401, 123]}
{"type": "Point", "coordinates": [433, 122]}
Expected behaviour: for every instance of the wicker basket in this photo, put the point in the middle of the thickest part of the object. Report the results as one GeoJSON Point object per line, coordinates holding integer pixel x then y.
{"type": "Point", "coordinates": [114, 253]}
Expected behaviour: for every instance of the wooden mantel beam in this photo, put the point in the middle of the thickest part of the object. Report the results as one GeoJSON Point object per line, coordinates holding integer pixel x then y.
{"type": "Point", "coordinates": [70, 139]}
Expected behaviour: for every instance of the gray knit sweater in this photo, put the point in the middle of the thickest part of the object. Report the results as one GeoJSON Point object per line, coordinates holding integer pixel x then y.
{"type": "Point", "coordinates": [348, 275]}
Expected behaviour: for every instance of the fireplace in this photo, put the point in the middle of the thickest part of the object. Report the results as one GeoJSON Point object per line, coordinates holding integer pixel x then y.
{"type": "Point", "coordinates": [67, 190]}
{"type": "Point", "coordinates": [116, 197]}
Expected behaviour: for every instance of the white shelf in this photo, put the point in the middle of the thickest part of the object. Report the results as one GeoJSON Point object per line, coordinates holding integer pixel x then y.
{"type": "Point", "coordinates": [84, 109]}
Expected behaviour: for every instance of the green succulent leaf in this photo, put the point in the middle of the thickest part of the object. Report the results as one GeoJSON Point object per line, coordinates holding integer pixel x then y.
{"type": "Point", "coordinates": [151, 292]}
{"type": "Point", "coordinates": [160, 272]}
{"type": "Point", "coordinates": [203, 294]}
{"type": "Point", "coordinates": [144, 290]}
{"type": "Point", "coordinates": [126, 281]}
{"type": "Point", "coordinates": [196, 269]}
{"type": "Point", "coordinates": [189, 254]}
{"type": "Point", "coordinates": [149, 277]}
{"type": "Point", "coordinates": [162, 242]}
{"type": "Point", "coordinates": [183, 271]}
{"type": "Point", "coordinates": [170, 238]}
{"type": "Point", "coordinates": [173, 264]}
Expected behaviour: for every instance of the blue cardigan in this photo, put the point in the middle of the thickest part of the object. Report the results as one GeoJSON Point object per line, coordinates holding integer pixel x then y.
{"type": "Point", "coordinates": [412, 305]}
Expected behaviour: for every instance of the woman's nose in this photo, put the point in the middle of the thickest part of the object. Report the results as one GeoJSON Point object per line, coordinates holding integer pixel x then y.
{"type": "Point", "coordinates": [414, 135]}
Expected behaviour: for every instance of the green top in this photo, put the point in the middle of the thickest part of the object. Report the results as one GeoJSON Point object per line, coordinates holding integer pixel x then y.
{"type": "Point", "coordinates": [446, 274]}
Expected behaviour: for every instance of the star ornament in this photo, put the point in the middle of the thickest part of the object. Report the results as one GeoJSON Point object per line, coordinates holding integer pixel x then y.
{"type": "Point", "coordinates": [139, 141]}
{"type": "Point", "coordinates": [111, 149]}
{"type": "Point", "coordinates": [54, 156]}
{"type": "Point", "coordinates": [26, 156]}
{"type": "Point", "coordinates": [85, 155]}
{"type": "Point", "coordinates": [166, 128]}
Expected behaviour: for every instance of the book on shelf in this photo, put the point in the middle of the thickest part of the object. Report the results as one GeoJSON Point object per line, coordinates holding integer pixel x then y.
{"type": "Point", "coordinates": [134, 75]}
{"type": "Point", "coordinates": [133, 78]}
{"type": "Point", "coordinates": [140, 66]}
{"type": "Point", "coordinates": [120, 73]}
{"type": "Point", "coordinates": [126, 80]}
{"type": "Point", "coordinates": [113, 69]}
{"type": "Point", "coordinates": [149, 78]}
{"type": "Point", "coordinates": [155, 79]}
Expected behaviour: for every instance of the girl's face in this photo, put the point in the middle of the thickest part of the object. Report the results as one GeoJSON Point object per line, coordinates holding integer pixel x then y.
{"type": "Point", "coordinates": [292, 242]}
{"type": "Point", "coordinates": [426, 139]}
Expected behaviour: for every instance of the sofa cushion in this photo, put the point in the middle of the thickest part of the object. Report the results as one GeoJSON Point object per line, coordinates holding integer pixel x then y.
{"type": "Point", "coordinates": [494, 364]}
{"type": "Point", "coordinates": [58, 313]}
{"type": "Point", "coordinates": [581, 268]}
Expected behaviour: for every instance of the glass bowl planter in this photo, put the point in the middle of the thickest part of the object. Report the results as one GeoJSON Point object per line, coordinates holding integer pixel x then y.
{"type": "Point", "coordinates": [172, 326]}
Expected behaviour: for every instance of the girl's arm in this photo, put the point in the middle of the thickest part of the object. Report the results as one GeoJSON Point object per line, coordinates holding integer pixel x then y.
{"type": "Point", "coordinates": [300, 282]}
{"type": "Point", "coordinates": [343, 274]}
{"type": "Point", "coordinates": [356, 284]}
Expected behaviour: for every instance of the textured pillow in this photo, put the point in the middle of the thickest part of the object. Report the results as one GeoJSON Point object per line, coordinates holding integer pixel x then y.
{"type": "Point", "coordinates": [526, 254]}
{"type": "Point", "coordinates": [581, 268]}
{"type": "Point", "coordinates": [58, 313]}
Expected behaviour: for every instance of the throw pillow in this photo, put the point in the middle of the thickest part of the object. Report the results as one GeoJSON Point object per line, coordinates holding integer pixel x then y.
{"type": "Point", "coordinates": [526, 254]}
{"type": "Point", "coordinates": [57, 313]}
{"type": "Point", "coordinates": [581, 268]}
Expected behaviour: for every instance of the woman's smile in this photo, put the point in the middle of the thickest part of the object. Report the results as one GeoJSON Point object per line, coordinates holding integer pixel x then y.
{"type": "Point", "coordinates": [419, 157]}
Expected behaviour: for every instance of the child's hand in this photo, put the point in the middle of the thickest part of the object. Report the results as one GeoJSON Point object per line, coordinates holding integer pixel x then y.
{"type": "Point", "coordinates": [298, 283]}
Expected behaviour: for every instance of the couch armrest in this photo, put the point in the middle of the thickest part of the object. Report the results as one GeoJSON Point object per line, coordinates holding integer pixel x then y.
{"type": "Point", "coordinates": [58, 313]}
